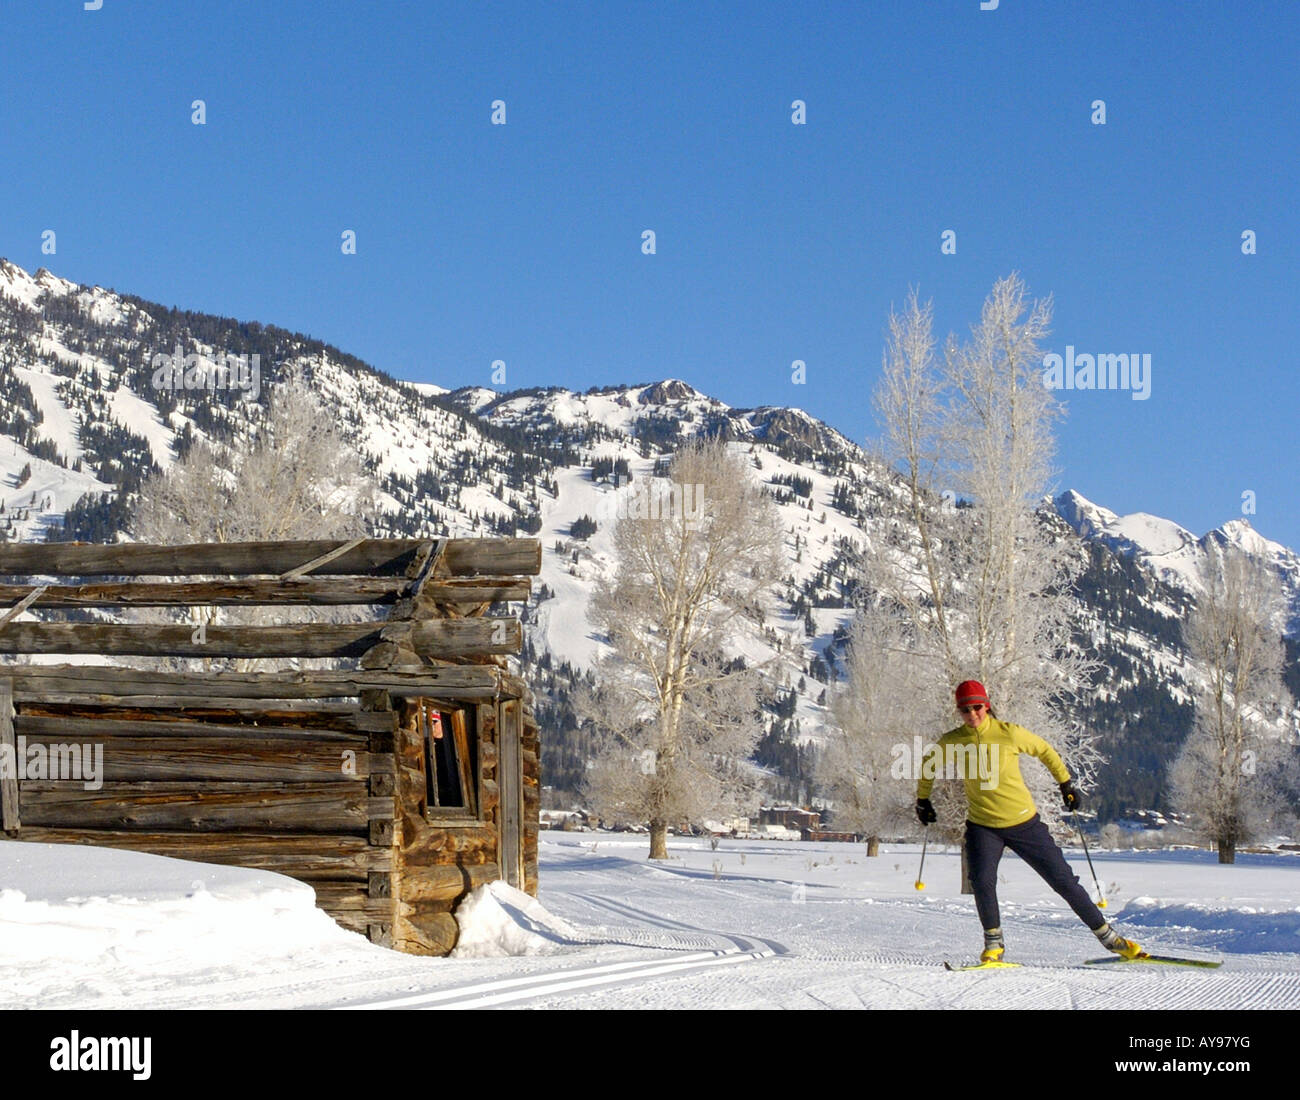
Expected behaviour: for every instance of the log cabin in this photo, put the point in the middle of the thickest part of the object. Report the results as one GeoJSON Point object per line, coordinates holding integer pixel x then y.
{"type": "Point", "coordinates": [392, 763]}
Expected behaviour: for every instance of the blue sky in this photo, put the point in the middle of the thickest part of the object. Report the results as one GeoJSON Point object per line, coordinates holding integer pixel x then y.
{"type": "Point", "coordinates": [775, 242]}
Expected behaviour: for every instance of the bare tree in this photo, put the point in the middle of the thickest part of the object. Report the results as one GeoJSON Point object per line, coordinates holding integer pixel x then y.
{"type": "Point", "coordinates": [978, 578]}
{"type": "Point", "coordinates": [1234, 768]}
{"type": "Point", "coordinates": [298, 479]}
{"type": "Point", "coordinates": [864, 764]}
{"type": "Point", "coordinates": [676, 718]}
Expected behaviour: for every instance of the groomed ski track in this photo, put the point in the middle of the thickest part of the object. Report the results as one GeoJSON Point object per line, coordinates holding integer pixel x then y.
{"type": "Point", "coordinates": [706, 930]}
{"type": "Point", "coordinates": [577, 980]}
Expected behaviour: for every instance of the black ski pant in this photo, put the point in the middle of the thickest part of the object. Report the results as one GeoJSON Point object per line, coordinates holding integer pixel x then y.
{"type": "Point", "coordinates": [1034, 844]}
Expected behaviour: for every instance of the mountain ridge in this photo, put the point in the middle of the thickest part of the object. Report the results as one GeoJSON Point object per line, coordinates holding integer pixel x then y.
{"type": "Point", "coordinates": [81, 425]}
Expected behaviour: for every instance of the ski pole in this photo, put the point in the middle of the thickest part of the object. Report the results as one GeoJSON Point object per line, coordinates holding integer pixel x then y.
{"type": "Point", "coordinates": [1100, 892]}
{"type": "Point", "coordinates": [924, 841]}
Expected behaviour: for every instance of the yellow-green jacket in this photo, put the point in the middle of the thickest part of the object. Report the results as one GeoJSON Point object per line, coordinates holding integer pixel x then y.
{"type": "Point", "coordinates": [988, 759]}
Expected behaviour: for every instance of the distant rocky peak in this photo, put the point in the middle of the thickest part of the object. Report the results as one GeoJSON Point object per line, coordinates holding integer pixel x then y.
{"type": "Point", "coordinates": [666, 392]}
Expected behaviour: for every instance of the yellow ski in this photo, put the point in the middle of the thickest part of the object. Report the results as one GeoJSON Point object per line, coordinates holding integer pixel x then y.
{"type": "Point", "coordinates": [1167, 960]}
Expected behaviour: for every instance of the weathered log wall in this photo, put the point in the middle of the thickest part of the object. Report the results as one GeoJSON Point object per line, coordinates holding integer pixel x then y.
{"type": "Point", "coordinates": [300, 792]}
{"type": "Point", "coordinates": [307, 773]}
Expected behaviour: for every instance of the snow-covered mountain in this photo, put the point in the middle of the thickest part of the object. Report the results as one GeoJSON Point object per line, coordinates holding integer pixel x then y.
{"type": "Point", "coordinates": [1174, 554]}
{"type": "Point", "coordinates": [83, 420]}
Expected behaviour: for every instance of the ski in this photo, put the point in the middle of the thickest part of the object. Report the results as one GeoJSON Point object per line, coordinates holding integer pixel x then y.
{"type": "Point", "coordinates": [1167, 960]}
{"type": "Point", "coordinates": [1164, 960]}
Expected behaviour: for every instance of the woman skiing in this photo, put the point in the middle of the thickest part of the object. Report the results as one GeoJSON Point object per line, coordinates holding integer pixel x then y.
{"type": "Point", "coordinates": [1001, 814]}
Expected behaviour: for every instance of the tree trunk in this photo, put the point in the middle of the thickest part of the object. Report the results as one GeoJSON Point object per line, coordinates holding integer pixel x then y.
{"type": "Point", "coordinates": [1227, 849]}
{"type": "Point", "coordinates": [966, 887]}
{"type": "Point", "coordinates": [873, 846]}
{"type": "Point", "coordinates": [658, 840]}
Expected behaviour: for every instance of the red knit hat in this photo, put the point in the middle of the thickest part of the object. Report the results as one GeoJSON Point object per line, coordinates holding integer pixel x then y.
{"type": "Point", "coordinates": [971, 691]}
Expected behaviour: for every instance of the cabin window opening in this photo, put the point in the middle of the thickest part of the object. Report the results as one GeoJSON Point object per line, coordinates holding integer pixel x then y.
{"type": "Point", "coordinates": [450, 752]}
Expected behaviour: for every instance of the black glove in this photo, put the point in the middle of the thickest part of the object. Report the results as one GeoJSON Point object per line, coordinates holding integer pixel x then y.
{"type": "Point", "coordinates": [1070, 793]}
{"type": "Point", "coordinates": [925, 812]}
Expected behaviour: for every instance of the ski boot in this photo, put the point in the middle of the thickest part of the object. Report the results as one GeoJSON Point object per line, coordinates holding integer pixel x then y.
{"type": "Point", "coordinates": [1113, 941]}
{"type": "Point", "coordinates": [994, 948]}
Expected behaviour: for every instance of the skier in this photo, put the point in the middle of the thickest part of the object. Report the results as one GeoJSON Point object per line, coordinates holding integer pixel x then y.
{"type": "Point", "coordinates": [1001, 814]}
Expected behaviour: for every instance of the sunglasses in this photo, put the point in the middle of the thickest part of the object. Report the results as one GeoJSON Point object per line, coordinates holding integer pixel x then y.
{"type": "Point", "coordinates": [973, 709]}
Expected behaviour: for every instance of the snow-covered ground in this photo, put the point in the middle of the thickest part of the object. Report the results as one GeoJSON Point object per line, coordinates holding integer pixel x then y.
{"type": "Point", "coordinates": [751, 924]}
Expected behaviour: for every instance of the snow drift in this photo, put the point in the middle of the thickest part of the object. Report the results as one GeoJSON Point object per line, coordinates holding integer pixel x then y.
{"type": "Point", "coordinates": [496, 920]}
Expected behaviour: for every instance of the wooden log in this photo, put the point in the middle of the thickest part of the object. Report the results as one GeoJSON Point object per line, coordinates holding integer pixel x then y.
{"type": "Point", "coordinates": [426, 932]}
{"type": "Point", "coordinates": [378, 557]}
{"type": "Point", "coordinates": [478, 590]}
{"type": "Point", "coordinates": [48, 727]}
{"type": "Point", "coordinates": [410, 770]}
{"type": "Point", "coordinates": [442, 638]}
{"type": "Point", "coordinates": [382, 655]}
{"type": "Point", "coordinates": [253, 719]}
{"type": "Point", "coordinates": [339, 897]}
{"type": "Point", "coordinates": [458, 597]}
{"type": "Point", "coordinates": [446, 883]}
{"type": "Point", "coordinates": [436, 844]}
{"type": "Point", "coordinates": [9, 813]}
{"type": "Point", "coordinates": [427, 558]}
{"type": "Point", "coordinates": [204, 806]}
{"type": "Point", "coordinates": [453, 819]}
{"type": "Point", "coordinates": [160, 759]}
{"type": "Point", "coordinates": [428, 563]}
{"type": "Point", "coordinates": [405, 659]}
{"type": "Point", "coordinates": [447, 638]}
{"type": "Point", "coordinates": [285, 712]}
{"type": "Point", "coordinates": [25, 600]}
{"type": "Point", "coordinates": [379, 702]}
{"type": "Point", "coordinates": [113, 639]}
{"type": "Point", "coordinates": [308, 591]}
{"type": "Point", "coordinates": [458, 681]}
{"type": "Point", "coordinates": [320, 562]}
{"type": "Point", "coordinates": [340, 857]}
{"type": "Point", "coordinates": [494, 557]}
